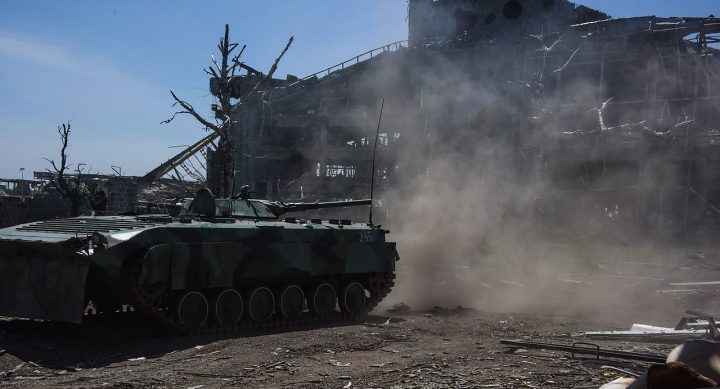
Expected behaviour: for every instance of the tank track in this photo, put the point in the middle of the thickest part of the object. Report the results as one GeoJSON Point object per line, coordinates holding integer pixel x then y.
{"type": "Point", "coordinates": [380, 286]}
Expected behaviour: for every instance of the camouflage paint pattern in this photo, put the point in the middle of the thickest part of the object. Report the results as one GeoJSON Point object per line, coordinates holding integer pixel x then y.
{"type": "Point", "coordinates": [50, 269]}
{"type": "Point", "coordinates": [42, 281]}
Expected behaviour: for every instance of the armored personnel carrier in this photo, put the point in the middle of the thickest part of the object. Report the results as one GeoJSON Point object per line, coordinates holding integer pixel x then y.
{"type": "Point", "coordinates": [222, 265]}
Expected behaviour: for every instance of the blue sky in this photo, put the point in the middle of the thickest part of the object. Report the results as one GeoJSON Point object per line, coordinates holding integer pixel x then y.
{"type": "Point", "coordinates": [109, 65]}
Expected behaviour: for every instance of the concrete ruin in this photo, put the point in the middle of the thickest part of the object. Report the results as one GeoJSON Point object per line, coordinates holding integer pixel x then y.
{"type": "Point", "coordinates": [124, 194]}
{"type": "Point", "coordinates": [121, 191]}
{"type": "Point", "coordinates": [155, 192]}
{"type": "Point", "coordinates": [612, 118]}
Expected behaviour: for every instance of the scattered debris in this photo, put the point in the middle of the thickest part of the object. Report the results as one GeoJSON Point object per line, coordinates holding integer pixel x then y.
{"type": "Point", "coordinates": [648, 332]}
{"type": "Point", "coordinates": [582, 348]}
{"type": "Point", "coordinates": [383, 324]}
{"type": "Point", "coordinates": [611, 365]}
{"type": "Point", "coordinates": [338, 363]}
{"type": "Point", "coordinates": [698, 326]}
{"type": "Point", "coordinates": [699, 283]}
{"type": "Point", "coordinates": [13, 370]}
{"type": "Point", "coordinates": [279, 351]}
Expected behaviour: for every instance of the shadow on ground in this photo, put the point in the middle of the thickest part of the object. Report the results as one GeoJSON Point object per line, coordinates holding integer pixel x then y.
{"type": "Point", "coordinates": [101, 341]}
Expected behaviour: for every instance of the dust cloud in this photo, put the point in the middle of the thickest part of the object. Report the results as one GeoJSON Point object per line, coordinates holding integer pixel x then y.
{"type": "Point", "coordinates": [481, 223]}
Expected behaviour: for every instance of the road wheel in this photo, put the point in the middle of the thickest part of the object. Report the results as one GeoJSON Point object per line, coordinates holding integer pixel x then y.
{"type": "Point", "coordinates": [261, 304]}
{"type": "Point", "coordinates": [353, 298]}
{"type": "Point", "coordinates": [323, 300]}
{"type": "Point", "coordinates": [192, 309]}
{"type": "Point", "coordinates": [228, 307]}
{"type": "Point", "coordinates": [292, 302]}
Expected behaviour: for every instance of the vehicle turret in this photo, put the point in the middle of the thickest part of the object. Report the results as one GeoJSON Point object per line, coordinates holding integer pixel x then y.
{"type": "Point", "coordinates": [279, 208]}
{"type": "Point", "coordinates": [205, 204]}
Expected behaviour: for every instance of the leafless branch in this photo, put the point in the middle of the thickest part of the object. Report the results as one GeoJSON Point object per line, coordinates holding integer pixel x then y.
{"type": "Point", "coordinates": [54, 182]}
{"type": "Point", "coordinates": [277, 60]}
{"type": "Point", "coordinates": [269, 75]}
{"type": "Point", "coordinates": [236, 60]}
{"type": "Point", "coordinates": [166, 121]}
{"type": "Point", "coordinates": [52, 162]}
{"type": "Point", "coordinates": [190, 110]}
{"type": "Point", "coordinates": [223, 70]}
{"type": "Point", "coordinates": [211, 72]}
{"type": "Point", "coordinates": [214, 61]}
{"type": "Point", "coordinates": [60, 183]}
{"type": "Point", "coordinates": [68, 187]}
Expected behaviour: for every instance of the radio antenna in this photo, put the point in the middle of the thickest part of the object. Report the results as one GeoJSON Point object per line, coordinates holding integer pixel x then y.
{"type": "Point", "coordinates": [372, 175]}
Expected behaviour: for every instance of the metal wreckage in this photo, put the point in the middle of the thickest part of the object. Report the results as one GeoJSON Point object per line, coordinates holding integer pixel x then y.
{"type": "Point", "coordinates": [225, 264]}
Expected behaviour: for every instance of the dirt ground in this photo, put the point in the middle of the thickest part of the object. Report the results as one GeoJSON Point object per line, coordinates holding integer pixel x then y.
{"type": "Point", "coordinates": [396, 346]}
{"type": "Point", "coordinates": [439, 347]}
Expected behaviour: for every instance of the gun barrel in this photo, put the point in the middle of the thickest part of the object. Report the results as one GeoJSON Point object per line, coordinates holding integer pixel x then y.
{"type": "Point", "coordinates": [293, 207]}
{"type": "Point", "coordinates": [347, 203]}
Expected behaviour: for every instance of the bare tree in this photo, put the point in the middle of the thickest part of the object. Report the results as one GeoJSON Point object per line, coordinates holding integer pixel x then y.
{"type": "Point", "coordinates": [222, 74]}
{"type": "Point", "coordinates": [69, 186]}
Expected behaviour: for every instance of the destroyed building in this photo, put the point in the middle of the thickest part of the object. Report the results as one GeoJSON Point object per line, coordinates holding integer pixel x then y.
{"type": "Point", "coordinates": [613, 118]}
{"type": "Point", "coordinates": [158, 191]}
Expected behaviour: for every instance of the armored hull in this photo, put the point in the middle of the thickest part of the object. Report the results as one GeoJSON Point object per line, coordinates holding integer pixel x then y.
{"type": "Point", "coordinates": [197, 273]}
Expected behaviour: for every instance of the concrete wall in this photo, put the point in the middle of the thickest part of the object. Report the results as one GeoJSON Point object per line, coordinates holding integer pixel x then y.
{"type": "Point", "coordinates": [121, 192]}
{"type": "Point", "coordinates": [17, 210]}
{"type": "Point", "coordinates": [492, 20]}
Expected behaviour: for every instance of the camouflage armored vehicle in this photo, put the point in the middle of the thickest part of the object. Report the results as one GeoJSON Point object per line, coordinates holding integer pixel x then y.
{"type": "Point", "coordinates": [223, 264]}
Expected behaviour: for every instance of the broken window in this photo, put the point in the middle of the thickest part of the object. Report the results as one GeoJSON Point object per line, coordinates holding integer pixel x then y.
{"type": "Point", "coordinates": [383, 139]}
{"type": "Point", "coordinates": [333, 170]}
